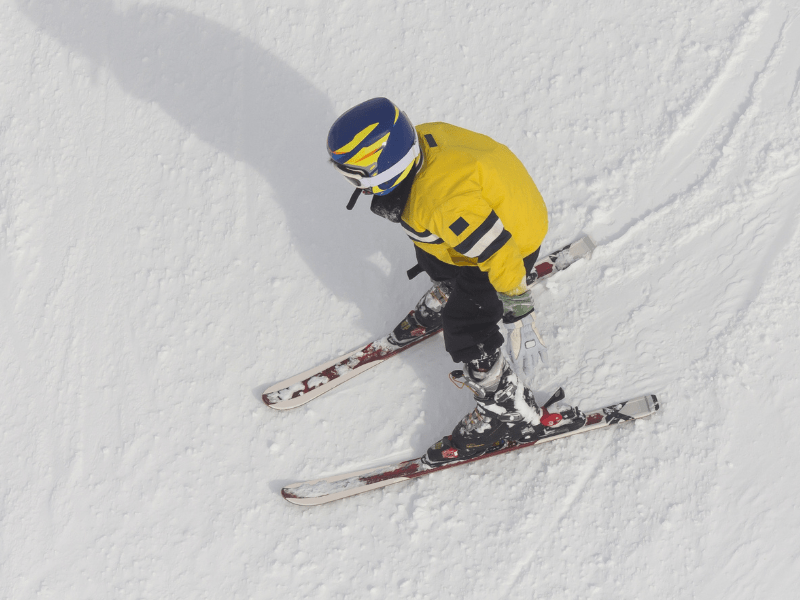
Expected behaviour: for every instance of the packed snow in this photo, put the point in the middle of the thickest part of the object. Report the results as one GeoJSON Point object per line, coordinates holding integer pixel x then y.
{"type": "Point", "coordinates": [172, 243]}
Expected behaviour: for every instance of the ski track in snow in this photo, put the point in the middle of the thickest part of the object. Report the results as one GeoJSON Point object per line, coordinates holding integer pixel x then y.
{"type": "Point", "coordinates": [575, 492]}
{"type": "Point", "coordinates": [171, 239]}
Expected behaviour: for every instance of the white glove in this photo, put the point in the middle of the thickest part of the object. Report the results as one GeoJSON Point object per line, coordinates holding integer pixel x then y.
{"type": "Point", "coordinates": [524, 346]}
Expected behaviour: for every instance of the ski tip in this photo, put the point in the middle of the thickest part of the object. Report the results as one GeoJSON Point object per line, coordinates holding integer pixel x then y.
{"type": "Point", "coordinates": [297, 500]}
{"type": "Point", "coordinates": [277, 404]}
{"type": "Point", "coordinates": [289, 404]}
{"type": "Point", "coordinates": [289, 496]}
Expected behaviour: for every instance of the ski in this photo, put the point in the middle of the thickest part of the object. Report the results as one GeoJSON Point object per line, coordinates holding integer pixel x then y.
{"type": "Point", "coordinates": [321, 491]}
{"type": "Point", "coordinates": [306, 386]}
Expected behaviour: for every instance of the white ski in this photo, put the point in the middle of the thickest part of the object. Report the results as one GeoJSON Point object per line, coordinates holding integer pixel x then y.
{"type": "Point", "coordinates": [328, 489]}
{"type": "Point", "coordinates": [302, 388]}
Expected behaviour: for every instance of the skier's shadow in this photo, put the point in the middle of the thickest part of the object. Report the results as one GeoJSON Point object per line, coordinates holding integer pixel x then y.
{"type": "Point", "coordinates": [249, 104]}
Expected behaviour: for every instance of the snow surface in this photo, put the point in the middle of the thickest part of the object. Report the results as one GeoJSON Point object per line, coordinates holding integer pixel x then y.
{"type": "Point", "coordinates": [172, 242]}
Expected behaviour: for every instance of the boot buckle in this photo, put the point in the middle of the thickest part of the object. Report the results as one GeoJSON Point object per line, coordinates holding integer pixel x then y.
{"type": "Point", "coordinates": [440, 292]}
{"type": "Point", "coordinates": [460, 380]}
{"type": "Point", "coordinates": [510, 417]}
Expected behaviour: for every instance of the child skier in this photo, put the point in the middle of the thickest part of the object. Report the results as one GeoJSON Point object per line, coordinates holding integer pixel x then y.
{"type": "Point", "coordinates": [477, 221]}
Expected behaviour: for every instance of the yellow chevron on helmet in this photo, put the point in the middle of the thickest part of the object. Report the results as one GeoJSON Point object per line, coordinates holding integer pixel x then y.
{"type": "Point", "coordinates": [368, 156]}
{"type": "Point", "coordinates": [356, 140]}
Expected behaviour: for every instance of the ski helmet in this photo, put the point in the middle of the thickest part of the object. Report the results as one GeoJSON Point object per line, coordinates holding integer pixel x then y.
{"type": "Point", "coordinates": [374, 145]}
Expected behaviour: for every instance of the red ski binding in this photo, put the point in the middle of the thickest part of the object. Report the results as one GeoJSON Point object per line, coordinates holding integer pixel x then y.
{"type": "Point", "coordinates": [550, 419]}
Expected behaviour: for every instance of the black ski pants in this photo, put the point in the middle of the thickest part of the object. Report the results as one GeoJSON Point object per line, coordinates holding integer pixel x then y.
{"type": "Point", "coordinates": [471, 317]}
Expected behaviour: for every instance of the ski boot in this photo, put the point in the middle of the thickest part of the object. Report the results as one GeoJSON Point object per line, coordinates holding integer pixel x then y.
{"type": "Point", "coordinates": [426, 316]}
{"type": "Point", "coordinates": [505, 412]}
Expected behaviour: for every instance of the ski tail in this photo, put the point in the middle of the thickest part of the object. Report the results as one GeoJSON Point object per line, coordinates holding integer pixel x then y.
{"type": "Point", "coordinates": [562, 259]}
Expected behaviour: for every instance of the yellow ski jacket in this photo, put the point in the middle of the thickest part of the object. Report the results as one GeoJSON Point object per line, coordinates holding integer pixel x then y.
{"type": "Point", "coordinates": [473, 203]}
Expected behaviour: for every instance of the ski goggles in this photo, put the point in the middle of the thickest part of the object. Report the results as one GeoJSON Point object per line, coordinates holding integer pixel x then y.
{"type": "Point", "coordinates": [354, 175]}
{"type": "Point", "coordinates": [361, 178]}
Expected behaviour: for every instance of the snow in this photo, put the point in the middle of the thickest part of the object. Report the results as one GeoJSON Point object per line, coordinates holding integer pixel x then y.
{"type": "Point", "coordinates": [172, 243]}
{"type": "Point", "coordinates": [288, 392]}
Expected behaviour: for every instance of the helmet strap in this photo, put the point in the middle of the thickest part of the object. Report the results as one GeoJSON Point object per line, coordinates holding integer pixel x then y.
{"type": "Point", "coordinates": [353, 199]}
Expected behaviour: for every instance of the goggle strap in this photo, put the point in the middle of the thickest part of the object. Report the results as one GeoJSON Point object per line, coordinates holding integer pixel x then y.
{"type": "Point", "coordinates": [395, 170]}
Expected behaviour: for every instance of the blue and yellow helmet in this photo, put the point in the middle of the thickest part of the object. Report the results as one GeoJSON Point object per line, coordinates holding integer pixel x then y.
{"type": "Point", "coordinates": [374, 146]}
